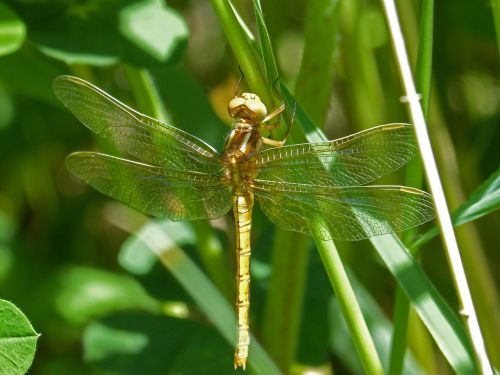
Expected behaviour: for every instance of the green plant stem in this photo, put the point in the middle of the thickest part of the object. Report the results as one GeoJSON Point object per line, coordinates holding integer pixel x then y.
{"type": "Point", "coordinates": [414, 177]}
{"type": "Point", "coordinates": [496, 17]}
{"type": "Point", "coordinates": [349, 306]}
{"type": "Point", "coordinates": [423, 70]}
{"type": "Point", "coordinates": [213, 257]}
{"type": "Point", "coordinates": [244, 51]}
{"type": "Point", "coordinates": [285, 297]}
{"type": "Point", "coordinates": [314, 82]}
{"type": "Point", "coordinates": [145, 93]}
{"type": "Point", "coordinates": [449, 239]}
{"type": "Point", "coordinates": [365, 93]}
{"type": "Point", "coordinates": [400, 322]}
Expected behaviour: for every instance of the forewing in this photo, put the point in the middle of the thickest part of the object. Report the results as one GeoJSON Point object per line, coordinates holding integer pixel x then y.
{"type": "Point", "coordinates": [138, 135]}
{"type": "Point", "coordinates": [353, 160]}
{"type": "Point", "coordinates": [153, 190]}
{"type": "Point", "coordinates": [345, 213]}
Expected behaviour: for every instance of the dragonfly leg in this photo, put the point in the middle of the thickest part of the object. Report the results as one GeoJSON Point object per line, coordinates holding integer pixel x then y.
{"type": "Point", "coordinates": [275, 112]}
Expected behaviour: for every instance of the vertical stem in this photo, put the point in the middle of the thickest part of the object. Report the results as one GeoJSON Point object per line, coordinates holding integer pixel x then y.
{"type": "Point", "coordinates": [349, 306]}
{"type": "Point", "coordinates": [315, 79]}
{"type": "Point", "coordinates": [398, 344]}
{"type": "Point", "coordinates": [244, 51]}
{"type": "Point", "coordinates": [424, 57]}
{"type": "Point", "coordinates": [145, 93]}
{"type": "Point", "coordinates": [496, 17]}
{"type": "Point", "coordinates": [414, 177]}
{"type": "Point", "coordinates": [285, 296]}
{"type": "Point", "coordinates": [443, 216]}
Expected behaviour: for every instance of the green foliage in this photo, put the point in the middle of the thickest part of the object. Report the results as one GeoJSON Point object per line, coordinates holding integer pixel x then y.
{"type": "Point", "coordinates": [484, 200]}
{"type": "Point", "coordinates": [156, 297]}
{"type": "Point", "coordinates": [17, 340]}
{"type": "Point", "coordinates": [137, 343]}
{"type": "Point", "coordinates": [12, 30]}
{"type": "Point", "coordinates": [144, 33]}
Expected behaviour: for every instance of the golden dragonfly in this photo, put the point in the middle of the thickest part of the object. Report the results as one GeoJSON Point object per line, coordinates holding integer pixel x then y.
{"type": "Point", "coordinates": [180, 177]}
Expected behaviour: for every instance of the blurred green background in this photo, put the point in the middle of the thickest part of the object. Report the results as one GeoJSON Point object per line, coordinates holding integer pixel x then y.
{"type": "Point", "coordinates": [61, 256]}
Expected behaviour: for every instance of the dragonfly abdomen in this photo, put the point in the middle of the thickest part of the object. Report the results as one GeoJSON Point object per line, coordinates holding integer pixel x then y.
{"type": "Point", "coordinates": [242, 209]}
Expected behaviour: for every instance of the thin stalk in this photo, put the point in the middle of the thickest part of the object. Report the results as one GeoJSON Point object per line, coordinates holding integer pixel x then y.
{"type": "Point", "coordinates": [414, 177]}
{"type": "Point", "coordinates": [349, 306]}
{"type": "Point", "coordinates": [244, 51]}
{"type": "Point", "coordinates": [145, 93]}
{"type": "Point", "coordinates": [423, 71]}
{"type": "Point", "coordinates": [496, 17]}
{"type": "Point", "coordinates": [314, 82]}
{"type": "Point", "coordinates": [285, 297]}
{"type": "Point", "coordinates": [398, 344]}
{"type": "Point", "coordinates": [442, 211]}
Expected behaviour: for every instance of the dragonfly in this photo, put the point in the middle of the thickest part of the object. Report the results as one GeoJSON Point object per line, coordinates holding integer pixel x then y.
{"type": "Point", "coordinates": [312, 188]}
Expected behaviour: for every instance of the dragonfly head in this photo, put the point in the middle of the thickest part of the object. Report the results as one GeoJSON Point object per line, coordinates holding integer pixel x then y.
{"type": "Point", "coordinates": [247, 106]}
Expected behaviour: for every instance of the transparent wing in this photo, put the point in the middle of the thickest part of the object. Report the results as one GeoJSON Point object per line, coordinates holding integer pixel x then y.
{"type": "Point", "coordinates": [157, 191]}
{"type": "Point", "coordinates": [344, 213]}
{"type": "Point", "coordinates": [353, 160]}
{"type": "Point", "coordinates": [143, 137]}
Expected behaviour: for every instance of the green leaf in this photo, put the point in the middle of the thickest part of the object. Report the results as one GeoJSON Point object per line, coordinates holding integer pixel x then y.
{"type": "Point", "coordinates": [17, 340]}
{"type": "Point", "coordinates": [152, 238]}
{"type": "Point", "coordinates": [442, 323]}
{"type": "Point", "coordinates": [145, 33]}
{"type": "Point", "coordinates": [30, 74]}
{"type": "Point", "coordinates": [89, 292]}
{"type": "Point", "coordinates": [12, 30]}
{"type": "Point", "coordinates": [154, 28]}
{"type": "Point", "coordinates": [484, 200]}
{"type": "Point", "coordinates": [139, 343]}
{"type": "Point", "coordinates": [380, 329]}
{"type": "Point", "coordinates": [266, 49]}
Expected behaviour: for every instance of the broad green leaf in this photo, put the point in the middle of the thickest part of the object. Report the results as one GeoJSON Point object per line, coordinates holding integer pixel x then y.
{"type": "Point", "coordinates": [152, 238]}
{"type": "Point", "coordinates": [12, 30]}
{"type": "Point", "coordinates": [484, 200]}
{"type": "Point", "coordinates": [89, 292]}
{"type": "Point", "coordinates": [96, 33]}
{"type": "Point", "coordinates": [17, 340]}
{"type": "Point", "coordinates": [140, 343]}
{"type": "Point", "coordinates": [154, 28]}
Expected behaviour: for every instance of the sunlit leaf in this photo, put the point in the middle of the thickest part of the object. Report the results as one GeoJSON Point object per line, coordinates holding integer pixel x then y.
{"type": "Point", "coordinates": [154, 28]}
{"type": "Point", "coordinates": [143, 33]}
{"type": "Point", "coordinates": [17, 340]}
{"type": "Point", "coordinates": [12, 30]}
{"type": "Point", "coordinates": [484, 200]}
{"type": "Point", "coordinates": [89, 292]}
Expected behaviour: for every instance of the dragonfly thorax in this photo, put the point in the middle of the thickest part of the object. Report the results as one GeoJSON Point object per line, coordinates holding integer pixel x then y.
{"type": "Point", "coordinates": [248, 106]}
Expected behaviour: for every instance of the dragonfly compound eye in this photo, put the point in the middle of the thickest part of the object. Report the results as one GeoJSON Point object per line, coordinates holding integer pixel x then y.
{"type": "Point", "coordinates": [247, 105]}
